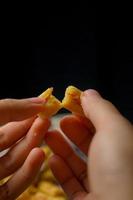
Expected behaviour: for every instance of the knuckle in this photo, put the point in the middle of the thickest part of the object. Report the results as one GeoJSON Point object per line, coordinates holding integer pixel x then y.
{"type": "Point", "coordinates": [82, 175]}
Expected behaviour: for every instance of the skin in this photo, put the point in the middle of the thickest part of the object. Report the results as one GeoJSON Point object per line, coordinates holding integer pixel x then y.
{"type": "Point", "coordinates": [108, 174]}
{"type": "Point", "coordinates": [22, 132]}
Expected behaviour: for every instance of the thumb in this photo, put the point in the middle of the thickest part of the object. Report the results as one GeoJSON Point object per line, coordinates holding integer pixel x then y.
{"type": "Point", "coordinates": [97, 109]}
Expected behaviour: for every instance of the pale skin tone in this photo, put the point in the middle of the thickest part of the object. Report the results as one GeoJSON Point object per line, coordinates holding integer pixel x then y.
{"type": "Point", "coordinates": [108, 174]}
{"type": "Point", "coordinates": [22, 132]}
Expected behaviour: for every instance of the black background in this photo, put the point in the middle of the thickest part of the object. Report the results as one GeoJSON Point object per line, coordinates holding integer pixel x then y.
{"type": "Point", "coordinates": [66, 52]}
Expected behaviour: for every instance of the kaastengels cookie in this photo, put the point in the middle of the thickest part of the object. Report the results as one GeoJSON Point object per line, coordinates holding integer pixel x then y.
{"type": "Point", "coordinates": [52, 104]}
{"type": "Point", "coordinates": [72, 101]}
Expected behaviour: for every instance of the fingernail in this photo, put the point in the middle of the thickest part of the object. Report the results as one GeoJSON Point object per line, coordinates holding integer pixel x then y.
{"type": "Point", "coordinates": [37, 100]}
{"type": "Point", "coordinates": [91, 92]}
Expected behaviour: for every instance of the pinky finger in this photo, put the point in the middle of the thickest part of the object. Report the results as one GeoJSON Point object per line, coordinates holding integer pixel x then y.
{"type": "Point", "coordinates": [23, 177]}
{"type": "Point", "coordinates": [66, 178]}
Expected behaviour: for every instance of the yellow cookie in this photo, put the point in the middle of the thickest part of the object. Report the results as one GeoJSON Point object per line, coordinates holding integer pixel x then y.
{"type": "Point", "coordinates": [50, 189]}
{"type": "Point", "coordinates": [72, 101]}
{"type": "Point", "coordinates": [25, 196]}
{"type": "Point", "coordinates": [52, 104]}
{"type": "Point", "coordinates": [40, 196]}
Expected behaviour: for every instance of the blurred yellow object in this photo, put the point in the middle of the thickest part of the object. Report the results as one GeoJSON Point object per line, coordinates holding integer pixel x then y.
{"type": "Point", "coordinates": [72, 101]}
{"type": "Point", "coordinates": [47, 151]}
{"type": "Point", "coordinates": [42, 196]}
{"type": "Point", "coordinates": [4, 180]}
{"type": "Point", "coordinates": [48, 176]}
{"type": "Point", "coordinates": [46, 186]}
{"type": "Point", "coordinates": [25, 196]}
{"type": "Point", "coordinates": [52, 104]}
{"type": "Point", "coordinates": [50, 189]}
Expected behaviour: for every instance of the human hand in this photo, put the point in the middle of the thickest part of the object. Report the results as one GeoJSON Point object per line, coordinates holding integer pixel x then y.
{"type": "Point", "coordinates": [22, 132]}
{"type": "Point", "coordinates": [108, 174]}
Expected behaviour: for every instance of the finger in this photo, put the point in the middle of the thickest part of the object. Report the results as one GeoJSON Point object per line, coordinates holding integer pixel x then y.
{"type": "Point", "coordinates": [66, 178]}
{"type": "Point", "coordinates": [16, 110]}
{"type": "Point", "coordinates": [12, 132]}
{"type": "Point", "coordinates": [86, 122]}
{"type": "Point", "coordinates": [60, 146]}
{"type": "Point", "coordinates": [97, 109]}
{"type": "Point", "coordinates": [75, 130]}
{"type": "Point", "coordinates": [23, 177]}
{"type": "Point", "coordinates": [10, 162]}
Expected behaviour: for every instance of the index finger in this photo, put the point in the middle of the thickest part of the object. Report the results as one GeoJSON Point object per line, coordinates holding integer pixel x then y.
{"type": "Point", "coordinates": [17, 110]}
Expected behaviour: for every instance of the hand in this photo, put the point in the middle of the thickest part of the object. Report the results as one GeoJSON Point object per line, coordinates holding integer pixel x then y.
{"type": "Point", "coordinates": [21, 132]}
{"type": "Point", "coordinates": [108, 174]}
